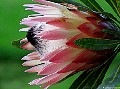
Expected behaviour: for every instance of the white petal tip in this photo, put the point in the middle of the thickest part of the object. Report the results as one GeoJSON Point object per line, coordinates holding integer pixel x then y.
{"type": "Point", "coordinates": [25, 58]}
{"type": "Point", "coordinates": [25, 5]}
{"type": "Point", "coordinates": [24, 29]}
{"type": "Point", "coordinates": [26, 9]}
{"type": "Point", "coordinates": [26, 71]}
{"type": "Point", "coordinates": [31, 83]}
{"type": "Point", "coordinates": [34, 82]}
{"type": "Point", "coordinates": [24, 64]}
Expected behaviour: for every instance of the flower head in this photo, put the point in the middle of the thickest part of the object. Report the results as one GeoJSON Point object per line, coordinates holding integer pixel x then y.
{"type": "Point", "coordinates": [52, 32]}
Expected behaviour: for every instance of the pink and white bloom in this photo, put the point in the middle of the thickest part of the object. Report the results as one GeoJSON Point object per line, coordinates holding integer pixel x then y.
{"type": "Point", "coordinates": [51, 34]}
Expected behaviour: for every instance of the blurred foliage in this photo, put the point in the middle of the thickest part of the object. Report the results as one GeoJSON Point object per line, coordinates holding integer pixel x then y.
{"type": "Point", "coordinates": [12, 74]}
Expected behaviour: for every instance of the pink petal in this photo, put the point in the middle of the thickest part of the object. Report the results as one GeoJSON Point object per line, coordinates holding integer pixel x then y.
{"type": "Point", "coordinates": [58, 78]}
{"type": "Point", "coordinates": [37, 5]}
{"type": "Point", "coordinates": [52, 68]}
{"type": "Point", "coordinates": [81, 14]}
{"type": "Point", "coordinates": [50, 55]}
{"type": "Point", "coordinates": [43, 79]}
{"type": "Point", "coordinates": [65, 55]}
{"type": "Point", "coordinates": [48, 27]}
{"type": "Point", "coordinates": [71, 67]}
{"type": "Point", "coordinates": [37, 68]}
{"type": "Point", "coordinates": [32, 56]}
{"type": "Point", "coordinates": [26, 45]}
{"type": "Point", "coordinates": [52, 4]}
{"type": "Point", "coordinates": [31, 5]}
{"type": "Point", "coordinates": [46, 10]}
{"type": "Point", "coordinates": [33, 63]}
{"type": "Point", "coordinates": [87, 28]}
{"type": "Point", "coordinates": [29, 21]}
{"type": "Point", "coordinates": [46, 18]}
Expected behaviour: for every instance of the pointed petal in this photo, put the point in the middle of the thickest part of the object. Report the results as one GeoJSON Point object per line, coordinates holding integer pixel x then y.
{"type": "Point", "coordinates": [52, 4]}
{"type": "Point", "coordinates": [31, 5]}
{"type": "Point", "coordinates": [33, 63]}
{"type": "Point", "coordinates": [26, 45]}
{"type": "Point", "coordinates": [45, 10]}
{"type": "Point", "coordinates": [58, 78]}
{"type": "Point", "coordinates": [50, 55]}
{"type": "Point", "coordinates": [71, 67]}
{"type": "Point", "coordinates": [53, 68]}
{"type": "Point", "coordinates": [87, 28]}
{"type": "Point", "coordinates": [65, 55]}
{"type": "Point", "coordinates": [29, 23]}
{"type": "Point", "coordinates": [43, 79]}
{"type": "Point", "coordinates": [32, 56]}
{"type": "Point", "coordinates": [37, 68]}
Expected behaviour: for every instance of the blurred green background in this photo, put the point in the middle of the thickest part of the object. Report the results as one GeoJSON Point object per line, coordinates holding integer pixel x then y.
{"type": "Point", "coordinates": [12, 75]}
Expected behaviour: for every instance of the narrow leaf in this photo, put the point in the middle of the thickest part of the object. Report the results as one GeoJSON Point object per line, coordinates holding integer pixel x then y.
{"type": "Point", "coordinates": [113, 80]}
{"type": "Point", "coordinates": [17, 43]}
{"type": "Point", "coordinates": [114, 5]}
{"type": "Point", "coordinates": [110, 16]}
{"type": "Point", "coordinates": [91, 79]}
{"type": "Point", "coordinates": [118, 4]}
{"type": "Point", "coordinates": [96, 44]}
{"type": "Point", "coordinates": [116, 33]}
{"type": "Point", "coordinates": [93, 5]}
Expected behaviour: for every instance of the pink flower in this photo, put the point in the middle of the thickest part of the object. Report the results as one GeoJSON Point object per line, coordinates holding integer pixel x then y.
{"type": "Point", "coordinates": [52, 32]}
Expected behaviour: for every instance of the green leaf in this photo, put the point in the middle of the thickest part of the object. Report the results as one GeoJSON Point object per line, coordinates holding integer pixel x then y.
{"type": "Point", "coordinates": [118, 4]}
{"type": "Point", "coordinates": [113, 80]}
{"type": "Point", "coordinates": [116, 33]}
{"type": "Point", "coordinates": [110, 16]}
{"type": "Point", "coordinates": [17, 43]}
{"type": "Point", "coordinates": [93, 5]}
{"type": "Point", "coordinates": [114, 5]}
{"type": "Point", "coordinates": [91, 79]}
{"type": "Point", "coordinates": [96, 44]}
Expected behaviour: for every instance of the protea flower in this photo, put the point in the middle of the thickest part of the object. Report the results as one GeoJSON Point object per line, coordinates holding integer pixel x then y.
{"type": "Point", "coordinates": [52, 33]}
